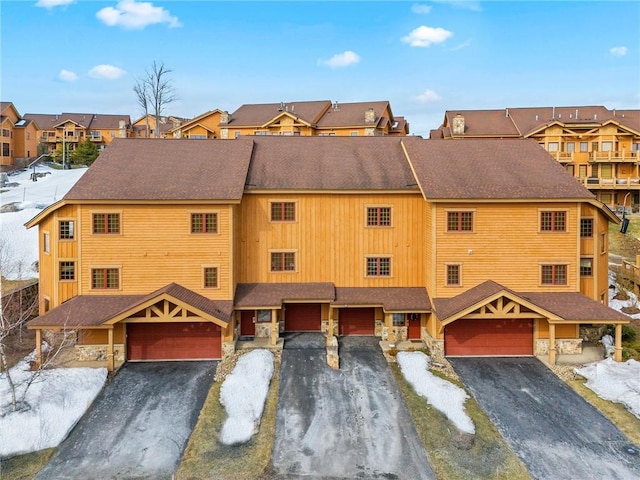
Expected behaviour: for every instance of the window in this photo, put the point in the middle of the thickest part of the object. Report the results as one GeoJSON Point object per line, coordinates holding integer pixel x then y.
{"type": "Point", "coordinates": [105, 278]}
{"type": "Point", "coordinates": [603, 242]}
{"type": "Point", "coordinates": [46, 243]}
{"type": "Point", "coordinates": [635, 147]}
{"type": "Point", "coordinates": [594, 147]}
{"type": "Point", "coordinates": [237, 135]}
{"type": "Point", "coordinates": [106, 223]}
{"type": "Point", "coordinates": [283, 211]}
{"type": "Point", "coordinates": [586, 227]}
{"type": "Point", "coordinates": [354, 134]}
{"type": "Point", "coordinates": [571, 147]}
{"type": "Point", "coordinates": [607, 146]}
{"type": "Point", "coordinates": [264, 316]}
{"type": "Point", "coordinates": [554, 275]}
{"type": "Point", "coordinates": [586, 267]}
{"type": "Point", "coordinates": [67, 270]}
{"type": "Point", "coordinates": [211, 277]}
{"type": "Point", "coordinates": [553, 221]}
{"type": "Point", "coordinates": [606, 171]}
{"type": "Point", "coordinates": [552, 146]}
{"type": "Point", "coordinates": [67, 230]}
{"type": "Point", "coordinates": [47, 305]}
{"type": "Point", "coordinates": [5, 149]}
{"type": "Point", "coordinates": [584, 147]}
{"type": "Point", "coordinates": [582, 171]}
{"type": "Point", "coordinates": [398, 319]}
{"type": "Point", "coordinates": [459, 221]}
{"type": "Point", "coordinates": [453, 275]}
{"type": "Point", "coordinates": [378, 216]}
{"type": "Point", "coordinates": [378, 266]}
{"type": "Point", "coordinates": [283, 261]}
{"type": "Point", "coordinates": [204, 223]}
{"type": "Point", "coordinates": [6, 132]}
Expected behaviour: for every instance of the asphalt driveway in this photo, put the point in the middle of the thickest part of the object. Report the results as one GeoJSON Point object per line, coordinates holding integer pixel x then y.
{"type": "Point", "coordinates": [351, 423]}
{"type": "Point", "coordinates": [138, 426]}
{"type": "Point", "coordinates": [553, 430]}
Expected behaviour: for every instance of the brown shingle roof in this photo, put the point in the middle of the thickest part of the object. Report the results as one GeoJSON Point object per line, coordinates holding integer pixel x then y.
{"type": "Point", "coordinates": [483, 122]}
{"type": "Point", "coordinates": [447, 307]}
{"type": "Point", "coordinates": [159, 169]}
{"type": "Point", "coordinates": [329, 163]}
{"type": "Point", "coordinates": [85, 120]}
{"type": "Point", "coordinates": [490, 169]}
{"type": "Point", "coordinates": [390, 298]}
{"type": "Point", "coordinates": [275, 294]}
{"type": "Point", "coordinates": [254, 115]}
{"type": "Point", "coordinates": [352, 114]}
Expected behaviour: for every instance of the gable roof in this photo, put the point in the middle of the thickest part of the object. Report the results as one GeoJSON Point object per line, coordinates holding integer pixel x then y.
{"type": "Point", "coordinates": [490, 169]}
{"type": "Point", "coordinates": [353, 114]}
{"type": "Point", "coordinates": [255, 115]}
{"type": "Point", "coordinates": [275, 294]}
{"type": "Point", "coordinates": [85, 120]}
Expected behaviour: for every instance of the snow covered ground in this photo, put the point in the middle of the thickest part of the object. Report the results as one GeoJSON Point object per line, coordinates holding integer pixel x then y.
{"type": "Point", "coordinates": [19, 246]}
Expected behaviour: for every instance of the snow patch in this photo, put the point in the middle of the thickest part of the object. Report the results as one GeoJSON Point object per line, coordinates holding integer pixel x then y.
{"type": "Point", "coordinates": [443, 395]}
{"type": "Point", "coordinates": [243, 394]}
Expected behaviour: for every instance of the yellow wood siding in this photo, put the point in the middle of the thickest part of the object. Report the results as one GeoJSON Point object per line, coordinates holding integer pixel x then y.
{"type": "Point", "coordinates": [562, 331]}
{"type": "Point", "coordinates": [331, 240]}
{"type": "Point", "coordinates": [101, 336]}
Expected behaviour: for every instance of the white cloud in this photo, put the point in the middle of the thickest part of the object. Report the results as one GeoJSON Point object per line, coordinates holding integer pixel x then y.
{"type": "Point", "coordinates": [67, 76]}
{"type": "Point", "coordinates": [341, 60]}
{"type": "Point", "coordinates": [53, 3]}
{"type": "Point", "coordinates": [136, 15]}
{"type": "Point", "coordinates": [428, 96]}
{"type": "Point", "coordinates": [618, 51]}
{"type": "Point", "coordinates": [420, 9]}
{"type": "Point", "coordinates": [106, 71]}
{"type": "Point", "coordinates": [426, 36]}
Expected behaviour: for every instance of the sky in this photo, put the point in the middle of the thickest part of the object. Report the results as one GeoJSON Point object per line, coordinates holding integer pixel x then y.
{"type": "Point", "coordinates": [425, 57]}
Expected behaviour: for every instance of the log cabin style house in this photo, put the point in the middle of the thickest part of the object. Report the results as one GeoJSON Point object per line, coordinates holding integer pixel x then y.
{"type": "Point", "coordinates": [176, 249]}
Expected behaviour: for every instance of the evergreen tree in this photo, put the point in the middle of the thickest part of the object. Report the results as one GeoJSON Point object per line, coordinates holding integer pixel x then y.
{"type": "Point", "coordinates": [85, 153]}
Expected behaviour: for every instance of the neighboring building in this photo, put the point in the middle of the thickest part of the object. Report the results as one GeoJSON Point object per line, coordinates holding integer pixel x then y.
{"type": "Point", "coordinates": [167, 125]}
{"type": "Point", "coordinates": [598, 146]}
{"type": "Point", "coordinates": [402, 238]}
{"type": "Point", "coordinates": [68, 129]}
{"type": "Point", "coordinates": [19, 137]}
{"type": "Point", "coordinates": [205, 126]}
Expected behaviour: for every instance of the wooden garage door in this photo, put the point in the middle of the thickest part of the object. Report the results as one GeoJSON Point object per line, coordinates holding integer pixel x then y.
{"type": "Point", "coordinates": [489, 337]}
{"type": "Point", "coordinates": [302, 317]}
{"type": "Point", "coordinates": [357, 321]}
{"type": "Point", "coordinates": [173, 341]}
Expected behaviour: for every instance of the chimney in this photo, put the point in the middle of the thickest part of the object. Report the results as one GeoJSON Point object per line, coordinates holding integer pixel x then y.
{"type": "Point", "coordinates": [281, 107]}
{"type": "Point", "coordinates": [576, 113]}
{"type": "Point", "coordinates": [536, 117]}
{"type": "Point", "coordinates": [369, 116]}
{"type": "Point", "coordinates": [614, 112]}
{"type": "Point", "coordinates": [553, 113]}
{"type": "Point", "coordinates": [506, 112]}
{"type": "Point", "coordinates": [336, 108]}
{"type": "Point", "coordinates": [458, 125]}
{"type": "Point", "coordinates": [225, 117]}
{"type": "Point", "coordinates": [595, 116]}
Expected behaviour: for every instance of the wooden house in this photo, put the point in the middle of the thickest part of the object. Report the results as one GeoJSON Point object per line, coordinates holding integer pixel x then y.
{"type": "Point", "coordinates": [175, 249]}
{"type": "Point", "coordinates": [18, 137]}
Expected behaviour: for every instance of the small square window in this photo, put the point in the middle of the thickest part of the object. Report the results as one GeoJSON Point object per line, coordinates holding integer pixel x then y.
{"type": "Point", "coordinates": [283, 262]}
{"type": "Point", "coordinates": [459, 221]}
{"type": "Point", "coordinates": [211, 277]}
{"type": "Point", "coordinates": [586, 227]}
{"type": "Point", "coordinates": [264, 316]}
{"type": "Point", "coordinates": [453, 275]}
{"type": "Point", "coordinates": [586, 267]}
{"type": "Point", "coordinates": [554, 274]}
{"type": "Point", "coordinates": [378, 266]}
{"type": "Point", "coordinates": [105, 278]}
{"type": "Point", "coordinates": [204, 223]}
{"type": "Point", "coordinates": [67, 270]}
{"type": "Point", "coordinates": [67, 229]}
{"type": "Point", "coordinates": [106, 223]}
{"type": "Point", "coordinates": [399, 319]}
{"type": "Point", "coordinates": [283, 211]}
{"type": "Point", "coordinates": [553, 221]}
{"type": "Point", "coordinates": [552, 147]}
{"type": "Point", "coordinates": [378, 216]}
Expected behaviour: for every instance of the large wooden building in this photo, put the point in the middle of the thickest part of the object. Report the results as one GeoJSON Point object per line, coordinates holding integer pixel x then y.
{"type": "Point", "coordinates": [598, 146]}
{"type": "Point", "coordinates": [18, 137]}
{"type": "Point", "coordinates": [175, 249]}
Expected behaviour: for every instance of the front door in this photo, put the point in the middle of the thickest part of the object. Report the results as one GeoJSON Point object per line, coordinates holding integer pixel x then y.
{"type": "Point", "coordinates": [247, 323]}
{"type": "Point", "coordinates": [413, 330]}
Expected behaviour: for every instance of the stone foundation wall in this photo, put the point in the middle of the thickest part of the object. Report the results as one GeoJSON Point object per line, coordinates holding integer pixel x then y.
{"type": "Point", "coordinates": [92, 353]}
{"type": "Point", "coordinates": [592, 334]}
{"type": "Point", "coordinates": [228, 349]}
{"type": "Point", "coordinates": [564, 346]}
{"type": "Point", "coordinates": [435, 346]}
{"type": "Point", "coordinates": [263, 330]}
{"type": "Point", "coordinates": [378, 328]}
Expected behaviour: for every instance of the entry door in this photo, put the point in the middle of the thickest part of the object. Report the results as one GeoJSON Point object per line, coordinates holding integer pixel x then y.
{"type": "Point", "coordinates": [247, 324]}
{"type": "Point", "coordinates": [413, 330]}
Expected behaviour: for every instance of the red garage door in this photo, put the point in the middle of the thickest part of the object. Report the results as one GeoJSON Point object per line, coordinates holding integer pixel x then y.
{"type": "Point", "coordinates": [357, 321]}
{"type": "Point", "coordinates": [173, 341]}
{"type": "Point", "coordinates": [489, 337]}
{"type": "Point", "coordinates": [302, 317]}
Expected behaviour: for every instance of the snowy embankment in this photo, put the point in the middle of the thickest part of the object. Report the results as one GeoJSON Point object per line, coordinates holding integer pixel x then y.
{"type": "Point", "coordinates": [441, 394]}
{"type": "Point", "coordinates": [53, 404]}
{"type": "Point", "coordinates": [243, 394]}
{"type": "Point", "coordinates": [19, 246]}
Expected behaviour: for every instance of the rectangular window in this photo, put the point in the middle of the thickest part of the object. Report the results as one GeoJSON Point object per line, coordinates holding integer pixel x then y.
{"type": "Point", "coordinates": [553, 221]}
{"type": "Point", "coordinates": [106, 223]}
{"type": "Point", "coordinates": [67, 270]}
{"type": "Point", "coordinates": [584, 147]}
{"type": "Point", "coordinates": [398, 319]}
{"type": "Point", "coordinates": [606, 171]}
{"type": "Point", "coordinates": [453, 275]}
{"type": "Point", "coordinates": [582, 171]}
{"type": "Point", "coordinates": [459, 221]}
{"type": "Point", "coordinates": [378, 216]}
{"type": "Point", "coordinates": [586, 267]}
{"type": "Point", "coordinates": [5, 149]}
{"type": "Point", "coordinates": [552, 147]}
{"type": "Point", "coordinates": [204, 223]}
{"type": "Point", "coordinates": [354, 134]}
{"type": "Point", "coordinates": [571, 147]}
{"type": "Point", "coordinates": [283, 211]}
{"type": "Point", "coordinates": [46, 243]}
{"type": "Point", "coordinates": [47, 305]}
{"type": "Point", "coordinates": [67, 229]}
{"type": "Point", "coordinates": [586, 227]}
{"type": "Point", "coordinates": [378, 266]}
{"type": "Point", "coordinates": [607, 146]}
{"type": "Point", "coordinates": [603, 242]}
{"type": "Point", "coordinates": [264, 316]}
{"type": "Point", "coordinates": [105, 278]}
{"type": "Point", "coordinates": [283, 261]}
{"type": "Point", "coordinates": [554, 275]}
{"type": "Point", "coordinates": [211, 277]}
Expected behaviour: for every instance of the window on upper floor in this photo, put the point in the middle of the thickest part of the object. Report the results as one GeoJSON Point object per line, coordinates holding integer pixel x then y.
{"type": "Point", "coordinates": [584, 147]}
{"type": "Point", "coordinates": [378, 216]}
{"type": "Point", "coordinates": [586, 227]}
{"type": "Point", "coordinates": [586, 267]}
{"type": "Point", "coordinates": [552, 146]}
{"type": "Point", "coordinates": [554, 221]}
{"type": "Point", "coordinates": [283, 261]}
{"type": "Point", "coordinates": [607, 146]}
{"type": "Point", "coordinates": [283, 211]}
{"type": "Point", "coordinates": [6, 132]}
{"type": "Point", "coordinates": [5, 149]}
{"type": "Point", "coordinates": [635, 147]}
{"type": "Point", "coordinates": [459, 221]}
{"type": "Point", "coordinates": [67, 270]}
{"type": "Point", "coordinates": [106, 223]}
{"type": "Point", "coordinates": [105, 278]}
{"type": "Point", "coordinates": [67, 229]}
{"type": "Point", "coordinates": [571, 147]}
{"type": "Point", "coordinates": [46, 242]}
{"type": "Point", "coordinates": [453, 275]}
{"type": "Point", "coordinates": [378, 266]}
{"type": "Point", "coordinates": [211, 277]}
{"type": "Point", "coordinates": [603, 242]}
{"type": "Point", "coordinates": [204, 223]}
{"type": "Point", "coordinates": [553, 274]}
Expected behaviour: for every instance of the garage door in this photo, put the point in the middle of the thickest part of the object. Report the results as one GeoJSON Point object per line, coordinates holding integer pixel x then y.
{"type": "Point", "coordinates": [173, 341]}
{"type": "Point", "coordinates": [302, 317]}
{"type": "Point", "coordinates": [501, 337]}
{"type": "Point", "coordinates": [357, 321]}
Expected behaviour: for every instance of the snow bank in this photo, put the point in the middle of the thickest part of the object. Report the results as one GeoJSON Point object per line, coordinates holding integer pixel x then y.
{"type": "Point", "coordinates": [444, 396]}
{"type": "Point", "coordinates": [615, 381]}
{"type": "Point", "coordinates": [56, 400]}
{"type": "Point", "coordinates": [243, 395]}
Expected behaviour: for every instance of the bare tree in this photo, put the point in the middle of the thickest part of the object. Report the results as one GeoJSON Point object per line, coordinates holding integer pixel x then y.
{"type": "Point", "coordinates": [142, 97]}
{"type": "Point", "coordinates": [159, 90]}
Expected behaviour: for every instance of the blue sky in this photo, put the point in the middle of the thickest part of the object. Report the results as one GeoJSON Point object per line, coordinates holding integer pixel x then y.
{"type": "Point", "coordinates": [424, 57]}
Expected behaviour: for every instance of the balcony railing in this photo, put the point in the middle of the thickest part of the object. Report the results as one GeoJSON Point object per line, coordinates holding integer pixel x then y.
{"type": "Point", "coordinates": [611, 183]}
{"type": "Point", "coordinates": [562, 157]}
{"type": "Point", "coordinates": [95, 138]}
{"type": "Point", "coordinates": [618, 156]}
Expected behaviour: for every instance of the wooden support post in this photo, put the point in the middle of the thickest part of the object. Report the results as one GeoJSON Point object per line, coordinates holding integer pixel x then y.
{"type": "Point", "coordinates": [38, 348]}
{"type": "Point", "coordinates": [110, 360]}
{"type": "Point", "coordinates": [275, 331]}
{"type": "Point", "coordinates": [617, 355]}
{"type": "Point", "coordinates": [388, 321]}
{"type": "Point", "coordinates": [330, 326]}
{"type": "Point", "coordinates": [552, 344]}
